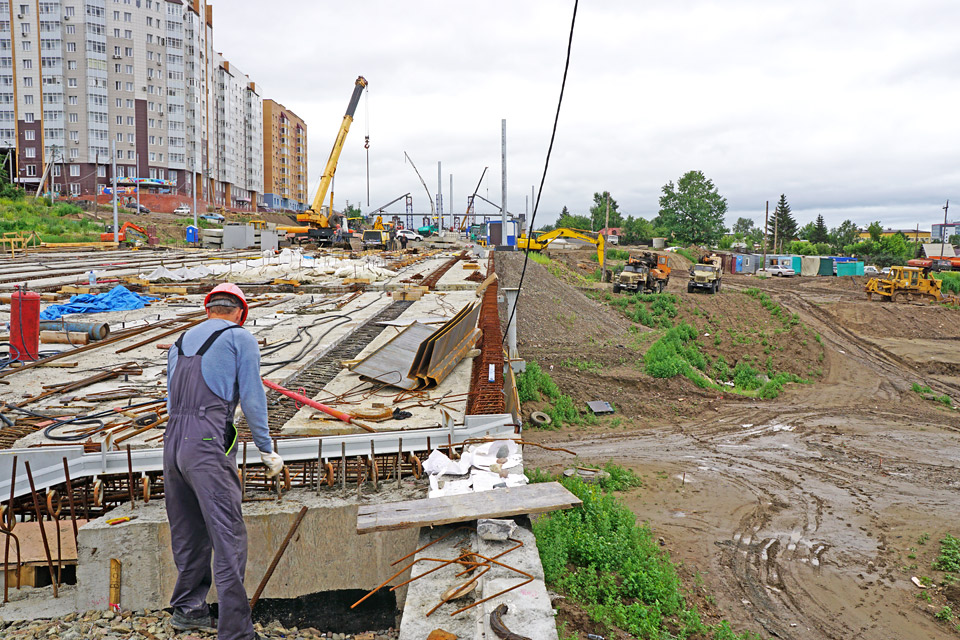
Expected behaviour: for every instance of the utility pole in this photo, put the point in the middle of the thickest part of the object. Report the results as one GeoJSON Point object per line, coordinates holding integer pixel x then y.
{"type": "Point", "coordinates": [766, 225]}
{"type": "Point", "coordinates": [193, 187]}
{"type": "Point", "coordinates": [439, 199]}
{"type": "Point", "coordinates": [606, 227]}
{"type": "Point", "coordinates": [116, 222]}
{"type": "Point", "coordinates": [503, 183]}
{"type": "Point", "coordinates": [776, 231]}
{"type": "Point", "coordinates": [943, 230]}
{"type": "Point", "coordinates": [450, 198]}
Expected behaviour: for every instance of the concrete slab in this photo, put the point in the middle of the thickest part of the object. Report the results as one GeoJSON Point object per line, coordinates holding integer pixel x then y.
{"type": "Point", "coordinates": [326, 554]}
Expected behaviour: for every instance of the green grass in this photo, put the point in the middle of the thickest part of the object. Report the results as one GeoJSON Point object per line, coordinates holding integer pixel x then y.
{"type": "Point", "coordinates": [951, 281]}
{"type": "Point", "coordinates": [52, 224]}
{"type": "Point", "coordinates": [949, 557]}
{"type": "Point", "coordinates": [536, 385]}
{"type": "Point", "coordinates": [686, 253]}
{"type": "Point", "coordinates": [539, 258]}
{"type": "Point", "coordinates": [674, 354]}
{"type": "Point", "coordinates": [582, 365]}
{"type": "Point", "coordinates": [597, 556]}
{"type": "Point", "coordinates": [921, 388]}
{"type": "Point", "coordinates": [655, 310]}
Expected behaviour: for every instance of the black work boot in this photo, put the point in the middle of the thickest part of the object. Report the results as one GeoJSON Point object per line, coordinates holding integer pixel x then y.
{"type": "Point", "coordinates": [190, 622]}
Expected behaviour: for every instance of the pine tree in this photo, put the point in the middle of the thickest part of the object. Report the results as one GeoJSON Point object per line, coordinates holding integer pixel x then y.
{"type": "Point", "coordinates": [820, 231]}
{"type": "Point", "coordinates": [782, 223]}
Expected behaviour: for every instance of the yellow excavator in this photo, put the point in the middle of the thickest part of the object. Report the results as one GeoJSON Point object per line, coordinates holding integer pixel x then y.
{"type": "Point", "coordinates": [316, 224]}
{"type": "Point", "coordinates": [542, 241]}
{"type": "Point", "coordinates": [905, 284]}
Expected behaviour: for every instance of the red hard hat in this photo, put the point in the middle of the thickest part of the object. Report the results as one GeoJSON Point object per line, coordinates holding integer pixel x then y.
{"type": "Point", "coordinates": [234, 290]}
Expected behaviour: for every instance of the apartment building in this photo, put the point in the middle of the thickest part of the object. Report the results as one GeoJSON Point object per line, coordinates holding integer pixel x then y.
{"type": "Point", "coordinates": [81, 80]}
{"type": "Point", "coordinates": [284, 158]}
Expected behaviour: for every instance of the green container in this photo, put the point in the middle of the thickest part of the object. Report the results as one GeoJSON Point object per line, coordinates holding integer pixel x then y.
{"type": "Point", "coordinates": [849, 269]}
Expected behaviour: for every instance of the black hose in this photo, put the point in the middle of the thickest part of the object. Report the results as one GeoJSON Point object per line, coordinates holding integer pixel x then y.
{"type": "Point", "coordinates": [91, 419]}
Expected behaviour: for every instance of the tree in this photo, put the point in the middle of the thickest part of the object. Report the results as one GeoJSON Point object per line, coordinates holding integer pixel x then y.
{"type": "Point", "coordinates": [598, 212]}
{"type": "Point", "coordinates": [782, 224]}
{"type": "Point", "coordinates": [693, 210]}
{"type": "Point", "coordinates": [820, 233]}
{"type": "Point", "coordinates": [571, 221]}
{"type": "Point", "coordinates": [846, 234]}
{"type": "Point", "coordinates": [351, 211]}
{"type": "Point", "coordinates": [743, 226]}
{"type": "Point", "coordinates": [636, 231]}
{"type": "Point", "coordinates": [806, 232]}
{"type": "Point", "coordinates": [875, 230]}
{"type": "Point", "coordinates": [7, 189]}
{"type": "Point", "coordinates": [954, 239]}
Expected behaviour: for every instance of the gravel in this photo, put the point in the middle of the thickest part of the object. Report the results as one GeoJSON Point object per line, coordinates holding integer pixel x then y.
{"type": "Point", "coordinates": [154, 625]}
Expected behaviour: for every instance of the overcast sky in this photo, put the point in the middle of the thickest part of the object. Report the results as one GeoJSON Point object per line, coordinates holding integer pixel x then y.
{"type": "Point", "coordinates": [849, 107]}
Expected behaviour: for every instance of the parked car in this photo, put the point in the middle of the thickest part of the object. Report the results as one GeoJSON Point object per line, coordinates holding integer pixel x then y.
{"type": "Point", "coordinates": [213, 217]}
{"type": "Point", "coordinates": [409, 234]}
{"type": "Point", "coordinates": [871, 270]}
{"type": "Point", "coordinates": [138, 208]}
{"type": "Point", "coordinates": [777, 270]}
{"type": "Point", "coordinates": [885, 271]}
{"type": "Point", "coordinates": [182, 210]}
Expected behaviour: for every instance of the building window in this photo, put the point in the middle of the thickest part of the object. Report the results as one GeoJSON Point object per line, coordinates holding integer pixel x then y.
{"type": "Point", "coordinates": [56, 171]}
{"type": "Point", "coordinates": [73, 100]}
{"type": "Point", "coordinates": [30, 135]}
{"type": "Point", "coordinates": [71, 29]}
{"type": "Point", "coordinates": [101, 171]}
{"type": "Point", "coordinates": [74, 153]}
{"type": "Point", "coordinates": [131, 121]}
{"type": "Point", "coordinates": [75, 135]}
{"type": "Point", "coordinates": [131, 137]}
{"type": "Point", "coordinates": [120, 120]}
{"type": "Point", "coordinates": [72, 65]}
{"type": "Point", "coordinates": [25, 45]}
{"type": "Point", "coordinates": [30, 152]}
{"type": "Point", "coordinates": [72, 83]}
{"type": "Point", "coordinates": [73, 117]}
{"type": "Point", "coordinates": [28, 63]}
{"type": "Point", "coordinates": [27, 81]}
{"type": "Point", "coordinates": [71, 47]}
{"type": "Point", "coordinates": [31, 170]}
{"type": "Point", "coordinates": [74, 188]}
{"type": "Point", "coordinates": [28, 117]}
{"type": "Point", "coordinates": [74, 171]}
{"type": "Point", "coordinates": [120, 171]}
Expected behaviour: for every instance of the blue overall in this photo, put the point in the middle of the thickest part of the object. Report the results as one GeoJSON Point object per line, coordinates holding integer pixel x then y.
{"type": "Point", "coordinates": [202, 492]}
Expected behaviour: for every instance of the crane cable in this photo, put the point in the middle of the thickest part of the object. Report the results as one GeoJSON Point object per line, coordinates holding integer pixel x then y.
{"type": "Point", "coordinates": [366, 137]}
{"type": "Point", "coordinates": [546, 165]}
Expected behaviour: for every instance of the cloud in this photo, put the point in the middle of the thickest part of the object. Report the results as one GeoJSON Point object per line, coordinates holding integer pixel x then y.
{"type": "Point", "coordinates": [847, 108]}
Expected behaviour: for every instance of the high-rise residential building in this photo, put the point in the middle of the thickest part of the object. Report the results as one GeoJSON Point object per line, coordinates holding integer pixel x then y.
{"type": "Point", "coordinates": [284, 158]}
{"type": "Point", "coordinates": [82, 78]}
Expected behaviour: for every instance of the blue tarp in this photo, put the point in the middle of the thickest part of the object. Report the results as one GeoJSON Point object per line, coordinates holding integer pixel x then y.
{"type": "Point", "coordinates": [117, 299]}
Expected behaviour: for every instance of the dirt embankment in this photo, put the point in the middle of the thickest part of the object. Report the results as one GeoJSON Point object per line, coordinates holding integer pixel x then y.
{"type": "Point", "coordinates": [803, 516]}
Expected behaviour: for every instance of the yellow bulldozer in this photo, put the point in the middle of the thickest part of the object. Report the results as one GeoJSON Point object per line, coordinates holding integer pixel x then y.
{"type": "Point", "coordinates": [905, 283]}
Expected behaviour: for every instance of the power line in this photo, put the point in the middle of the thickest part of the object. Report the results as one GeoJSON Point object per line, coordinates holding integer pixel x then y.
{"type": "Point", "coordinates": [546, 165]}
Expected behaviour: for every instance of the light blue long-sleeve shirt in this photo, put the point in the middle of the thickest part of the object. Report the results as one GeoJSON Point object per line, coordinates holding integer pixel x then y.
{"type": "Point", "coordinates": [231, 368]}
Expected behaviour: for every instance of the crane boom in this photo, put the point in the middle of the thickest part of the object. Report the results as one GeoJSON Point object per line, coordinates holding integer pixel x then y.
{"type": "Point", "coordinates": [314, 214]}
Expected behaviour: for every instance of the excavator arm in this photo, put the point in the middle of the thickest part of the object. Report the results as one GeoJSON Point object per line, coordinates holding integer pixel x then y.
{"type": "Point", "coordinates": [314, 215]}
{"type": "Point", "coordinates": [544, 239]}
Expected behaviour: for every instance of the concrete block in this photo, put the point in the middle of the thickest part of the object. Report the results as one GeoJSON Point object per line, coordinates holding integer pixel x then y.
{"type": "Point", "coordinates": [326, 554]}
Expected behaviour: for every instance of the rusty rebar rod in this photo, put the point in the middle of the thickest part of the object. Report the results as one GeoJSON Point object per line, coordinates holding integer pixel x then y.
{"type": "Point", "coordinates": [277, 556]}
{"type": "Point", "coordinates": [11, 519]}
{"type": "Point", "coordinates": [133, 501]}
{"type": "Point", "coordinates": [43, 533]}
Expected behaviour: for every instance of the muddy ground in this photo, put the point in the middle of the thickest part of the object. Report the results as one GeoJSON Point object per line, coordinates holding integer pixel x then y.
{"type": "Point", "coordinates": [800, 517]}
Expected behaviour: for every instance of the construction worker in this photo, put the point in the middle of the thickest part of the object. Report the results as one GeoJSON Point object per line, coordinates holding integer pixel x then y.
{"type": "Point", "coordinates": [338, 234]}
{"type": "Point", "coordinates": [211, 368]}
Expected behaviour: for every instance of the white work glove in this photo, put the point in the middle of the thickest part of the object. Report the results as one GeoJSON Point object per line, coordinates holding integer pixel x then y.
{"type": "Point", "coordinates": [273, 462]}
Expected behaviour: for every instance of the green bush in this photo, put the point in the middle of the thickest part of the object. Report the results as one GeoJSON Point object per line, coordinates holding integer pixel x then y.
{"type": "Point", "coordinates": [534, 383]}
{"type": "Point", "coordinates": [617, 254]}
{"type": "Point", "coordinates": [951, 281]}
{"type": "Point", "coordinates": [746, 377]}
{"type": "Point", "coordinates": [674, 353]}
{"type": "Point", "coordinates": [921, 388]}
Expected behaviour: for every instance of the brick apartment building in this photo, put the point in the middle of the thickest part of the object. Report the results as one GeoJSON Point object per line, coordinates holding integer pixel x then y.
{"type": "Point", "coordinates": [284, 158]}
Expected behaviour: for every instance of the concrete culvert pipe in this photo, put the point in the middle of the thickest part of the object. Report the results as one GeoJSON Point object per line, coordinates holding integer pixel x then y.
{"type": "Point", "coordinates": [540, 418]}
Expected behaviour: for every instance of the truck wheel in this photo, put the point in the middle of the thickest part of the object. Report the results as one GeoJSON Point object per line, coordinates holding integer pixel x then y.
{"type": "Point", "coordinates": [718, 285]}
{"type": "Point", "coordinates": [689, 288]}
{"type": "Point", "coordinates": [616, 287]}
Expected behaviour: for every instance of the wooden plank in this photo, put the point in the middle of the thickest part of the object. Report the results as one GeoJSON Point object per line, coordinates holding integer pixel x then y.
{"type": "Point", "coordinates": [532, 498]}
{"type": "Point", "coordinates": [161, 288]}
{"type": "Point", "coordinates": [31, 545]}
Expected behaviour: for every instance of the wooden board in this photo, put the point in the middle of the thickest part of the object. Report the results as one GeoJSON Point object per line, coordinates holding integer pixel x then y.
{"type": "Point", "coordinates": [31, 544]}
{"type": "Point", "coordinates": [160, 288]}
{"type": "Point", "coordinates": [498, 503]}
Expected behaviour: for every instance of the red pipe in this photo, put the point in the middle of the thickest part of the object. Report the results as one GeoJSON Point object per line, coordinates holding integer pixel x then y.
{"type": "Point", "coordinates": [302, 399]}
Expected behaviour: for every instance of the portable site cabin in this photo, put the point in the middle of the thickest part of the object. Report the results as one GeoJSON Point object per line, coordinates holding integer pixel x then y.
{"type": "Point", "coordinates": [751, 262]}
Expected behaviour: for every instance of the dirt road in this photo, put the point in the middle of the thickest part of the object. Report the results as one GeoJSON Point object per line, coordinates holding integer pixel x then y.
{"type": "Point", "coordinates": [807, 516]}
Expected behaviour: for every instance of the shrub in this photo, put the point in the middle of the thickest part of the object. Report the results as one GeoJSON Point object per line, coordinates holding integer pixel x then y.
{"type": "Point", "coordinates": [949, 558]}
{"type": "Point", "coordinates": [674, 353]}
{"type": "Point", "coordinates": [617, 254]}
{"type": "Point", "coordinates": [534, 383]}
